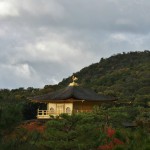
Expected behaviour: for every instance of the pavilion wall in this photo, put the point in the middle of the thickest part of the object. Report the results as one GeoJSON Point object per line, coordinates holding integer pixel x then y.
{"type": "Point", "coordinates": [84, 106]}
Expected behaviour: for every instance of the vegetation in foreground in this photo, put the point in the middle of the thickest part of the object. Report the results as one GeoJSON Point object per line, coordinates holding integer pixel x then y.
{"type": "Point", "coordinates": [101, 129]}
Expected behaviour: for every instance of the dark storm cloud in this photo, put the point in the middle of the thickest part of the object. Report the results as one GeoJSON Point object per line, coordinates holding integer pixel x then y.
{"type": "Point", "coordinates": [42, 42]}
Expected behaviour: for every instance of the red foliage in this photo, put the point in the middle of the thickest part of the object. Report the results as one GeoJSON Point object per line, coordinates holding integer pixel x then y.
{"type": "Point", "coordinates": [110, 132]}
{"type": "Point", "coordinates": [104, 147]}
{"type": "Point", "coordinates": [114, 141]}
{"type": "Point", "coordinates": [33, 126]}
{"type": "Point", "coordinates": [117, 141]}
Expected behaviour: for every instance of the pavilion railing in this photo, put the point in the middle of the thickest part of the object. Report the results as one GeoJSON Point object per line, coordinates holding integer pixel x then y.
{"type": "Point", "coordinates": [48, 113]}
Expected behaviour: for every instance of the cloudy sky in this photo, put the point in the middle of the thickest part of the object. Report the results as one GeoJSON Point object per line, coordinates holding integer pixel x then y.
{"type": "Point", "coordinates": [44, 41]}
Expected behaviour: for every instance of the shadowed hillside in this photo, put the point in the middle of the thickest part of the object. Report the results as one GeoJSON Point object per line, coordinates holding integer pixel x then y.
{"type": "Point", "coordinates": [126, 76]}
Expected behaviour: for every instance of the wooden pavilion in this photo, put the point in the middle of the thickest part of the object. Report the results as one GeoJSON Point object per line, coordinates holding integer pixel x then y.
{"type": "Point", "coordinates": [72, 99]}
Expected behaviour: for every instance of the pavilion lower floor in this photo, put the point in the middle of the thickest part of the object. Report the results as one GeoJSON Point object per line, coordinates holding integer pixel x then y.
{"type": "Point", "coordinates": [55, 109]}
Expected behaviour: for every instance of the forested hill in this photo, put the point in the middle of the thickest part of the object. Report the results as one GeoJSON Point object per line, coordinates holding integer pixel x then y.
{"type": "Point", "coordinates": [126, 76]}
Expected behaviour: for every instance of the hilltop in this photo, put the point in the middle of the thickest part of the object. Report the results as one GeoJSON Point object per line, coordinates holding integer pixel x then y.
{"type": "Point", "coordinates": [126, 76]}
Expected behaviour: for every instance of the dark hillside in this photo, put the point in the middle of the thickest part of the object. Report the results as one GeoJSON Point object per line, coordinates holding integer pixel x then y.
{"type": "Point", "coordinates": [126, 76]}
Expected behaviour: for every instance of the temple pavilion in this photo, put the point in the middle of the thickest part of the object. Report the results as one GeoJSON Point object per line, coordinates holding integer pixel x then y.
{"type": "Point", "coordinates": [72, 99]}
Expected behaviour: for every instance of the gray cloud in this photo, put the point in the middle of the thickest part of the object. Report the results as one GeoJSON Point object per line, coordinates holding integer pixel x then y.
{"type": "Point", "coordinates": [42, 42]}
